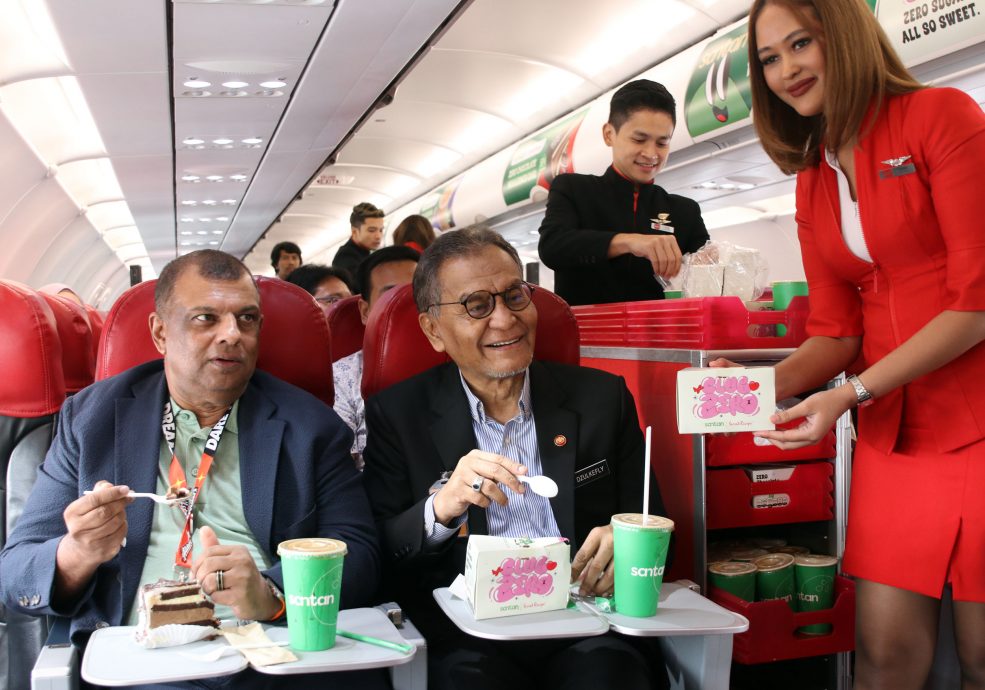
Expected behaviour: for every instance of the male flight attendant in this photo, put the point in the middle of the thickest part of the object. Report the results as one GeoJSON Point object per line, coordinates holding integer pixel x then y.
{"type": "Point", "coordinates": [608, 237]}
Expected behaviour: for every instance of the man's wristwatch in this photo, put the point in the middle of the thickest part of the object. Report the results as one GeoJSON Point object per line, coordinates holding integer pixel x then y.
{"type": "Point", "coordinates": [863, 396]}
{"type": "Point", "coordinates": [279, 595]}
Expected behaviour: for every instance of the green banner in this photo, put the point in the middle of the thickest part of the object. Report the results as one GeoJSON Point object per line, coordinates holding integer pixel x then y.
{"type": "Point", "coordinates": [718, 94]}
{"type": "Point", "coordinates": [539, 158]}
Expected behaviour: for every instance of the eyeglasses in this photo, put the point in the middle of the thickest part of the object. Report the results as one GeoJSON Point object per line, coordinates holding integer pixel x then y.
{"type": "Point", "coordinates": [481, 304]}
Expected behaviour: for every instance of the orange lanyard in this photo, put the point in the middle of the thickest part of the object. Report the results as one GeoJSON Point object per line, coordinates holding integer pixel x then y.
{"type": "Point", "coordinates": [176, 479]}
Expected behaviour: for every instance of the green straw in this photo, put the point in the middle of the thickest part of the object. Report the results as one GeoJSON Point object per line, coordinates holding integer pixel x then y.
{"type": "Point", "coordinates": [396, 646]}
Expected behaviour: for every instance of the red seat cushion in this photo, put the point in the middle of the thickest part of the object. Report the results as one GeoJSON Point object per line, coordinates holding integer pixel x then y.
{"type": "Point", "coordinates": [346, 326]}
{"type": "Point", "coordinates": [33, 384]}
{"type": "Point", "coordinates": [78, 347]}
{"type": "Point", "coordinates": [395, 347]}
{"type": "Point", "coordinates": [294, 339]}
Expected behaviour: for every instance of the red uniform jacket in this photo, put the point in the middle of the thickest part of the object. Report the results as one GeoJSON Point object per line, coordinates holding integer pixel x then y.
{"type": "Point", "coordinates": [925, 231]}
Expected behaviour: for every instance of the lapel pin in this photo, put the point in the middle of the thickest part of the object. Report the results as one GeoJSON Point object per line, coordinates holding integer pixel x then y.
{"type": "Point", "coordinates": [897, 167]}
{"type": "Point", "coordinates": [560, 440]}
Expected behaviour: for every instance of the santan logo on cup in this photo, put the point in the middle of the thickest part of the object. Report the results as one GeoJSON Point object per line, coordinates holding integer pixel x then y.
{"type": "Point", "coordinates": [311, 600]}
{"type": "Point", "coordinates": [647, 572]}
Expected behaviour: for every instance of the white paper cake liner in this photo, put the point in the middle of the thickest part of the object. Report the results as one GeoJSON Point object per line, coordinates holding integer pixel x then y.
{"type": "Point", "coordinates": [173, 635]}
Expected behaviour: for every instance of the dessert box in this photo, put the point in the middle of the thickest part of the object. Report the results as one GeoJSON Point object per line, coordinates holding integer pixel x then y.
{"type": "Point", "coordinates": [508, 576]}
{"type": "Point", "coordinates": [725, 400]}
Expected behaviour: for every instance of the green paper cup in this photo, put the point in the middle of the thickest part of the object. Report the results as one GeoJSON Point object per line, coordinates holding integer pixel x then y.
{"type": "Point", "coordinates": [783, 292]}
{"type": "Point", "coordinates": [735, 578]}
{"type": "Point", "coordinates": [774, 578]}
{"type": "Point", "coordinates": [640, 553]}
{"type": "Point", "coordinates": [814, 578]}
{"type": "Point", "coordinates": [673, 294]}
{"type": "Point", "coordinates": [312, 585]}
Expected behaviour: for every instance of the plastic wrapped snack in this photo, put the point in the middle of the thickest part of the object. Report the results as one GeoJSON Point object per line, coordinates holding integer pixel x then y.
{"type": "Point", "coordinates": [722, 268]}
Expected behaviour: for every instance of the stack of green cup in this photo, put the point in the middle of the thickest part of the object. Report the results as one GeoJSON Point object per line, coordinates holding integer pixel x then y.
{"type": "Point", "coordinates": [748, 554]}
{"type": "Point", "coordinates": [735, 578]}
{"type": "Point", "coordinates": [814, 576]}
{"type": "Point", "coordinates": [783, 292]}
{"type": "Point", "coordinates": [775, 578]}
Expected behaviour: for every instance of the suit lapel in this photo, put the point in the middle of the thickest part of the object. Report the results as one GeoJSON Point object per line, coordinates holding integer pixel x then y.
{"type": "Point", "coordinates": [137, 453]}
{"type": "Point", "coordinates": [557, 456]}
{"type": "Point", "coordinates": [451, 431]}
{"type": "Point", "coordinates": [260, 436]}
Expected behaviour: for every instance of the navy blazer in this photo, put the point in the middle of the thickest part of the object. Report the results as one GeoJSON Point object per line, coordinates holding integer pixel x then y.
{"type": "Point", "coordinates": [421, 427]}
{"type": "Point", "coordinates": [297, 475]}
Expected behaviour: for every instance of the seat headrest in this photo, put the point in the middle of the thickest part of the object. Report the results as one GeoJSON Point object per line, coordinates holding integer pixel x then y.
{"type": "Point", "coordinates": [125, 341]}
{"type": "Point", "coordinates": [295, 343]}
{"type": "Point", "coordinates": [395, 348]}
{"type": "Point", "coordinates": [294, 339]}
{"type": "Point", "coordinates": [78, 347]}
{"type": "Point", "coordinates": [33, 384]}
{"type": "Point", "coordinates": [96, 319]}
{"type": "Point", "coordinates": [346, 326]}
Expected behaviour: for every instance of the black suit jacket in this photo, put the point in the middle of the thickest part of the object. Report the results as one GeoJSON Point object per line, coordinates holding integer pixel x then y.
{"type": "Point", "coordinates": [585, 211]}
{"type": "Point", "coordinates": [422, 427]}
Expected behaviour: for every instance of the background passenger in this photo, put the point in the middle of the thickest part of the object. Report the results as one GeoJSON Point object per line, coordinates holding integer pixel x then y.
{"type": "Point", "coordinates": [479, 421]}
{"type": "Point", "coordinates": [281, 470]}
{"type": "Point", "coordinates": [383, 270]}
{"type": "Point", "coordinates": [607, 237]}
{"type": "Point", "coordinates": [415, 232]}
{"type": "Point", "coordinates": [285, 257]}
{"type": "Point", "coordinates": [889, 212]}
{"type": "Point", "coordinates": [326, 284]}
{"type": "Point", "coordinates": [366, 223]}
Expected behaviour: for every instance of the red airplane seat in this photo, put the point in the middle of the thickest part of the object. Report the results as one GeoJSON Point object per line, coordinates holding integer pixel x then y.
{"type": "Point", "coordinates": [96, 319]}
{"type": "Point", "coordinates": [295, 341]}
{"type": "Point", "coordinates": [346, 326]}
{"type": "Point", "coordinates": [294, 337]}
{"type": "Point", "coordinates": [78, 346]}
{"type": "Point", "coordinates": [32, 390]}
{"type": "Point", "coordinates": [33, 384]}
{"type": "Point", "coordinates": [125, 341]}
{"type": "Point", "coordinates": [395, 347]}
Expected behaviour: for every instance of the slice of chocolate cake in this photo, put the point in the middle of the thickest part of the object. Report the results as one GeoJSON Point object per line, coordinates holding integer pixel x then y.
{"type": "Point", "coordinates": [170, 602]}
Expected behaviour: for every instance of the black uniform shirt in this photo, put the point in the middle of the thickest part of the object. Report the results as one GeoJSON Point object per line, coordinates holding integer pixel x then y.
{"type": "Point", "coordinates": [584, 212]}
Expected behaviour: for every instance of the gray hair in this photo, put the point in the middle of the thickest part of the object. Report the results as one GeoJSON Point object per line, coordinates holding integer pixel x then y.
{"type": "Point", "coordinates": [211, 264]}
{"type": "Point", "coordinates": [453, 245]}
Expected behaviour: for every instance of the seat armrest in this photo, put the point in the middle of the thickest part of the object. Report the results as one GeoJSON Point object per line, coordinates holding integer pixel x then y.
{"type": "Point", "coordinates": [57, 667]}
{"type": "Point", "coordinates": [414, 675]}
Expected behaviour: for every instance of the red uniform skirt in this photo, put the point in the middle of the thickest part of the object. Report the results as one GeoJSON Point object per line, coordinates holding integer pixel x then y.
{"type": "Point", "coordinates": [916, 517]}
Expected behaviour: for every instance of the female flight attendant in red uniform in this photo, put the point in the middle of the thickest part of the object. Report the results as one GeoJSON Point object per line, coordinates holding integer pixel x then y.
{"type": "Point", "coordinates": [891, 218]}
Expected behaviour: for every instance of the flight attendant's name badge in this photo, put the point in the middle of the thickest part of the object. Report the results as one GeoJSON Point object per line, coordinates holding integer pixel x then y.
{"type": "Point", "coordinates": [897, 167]}
{"type": "Point", "coordinates": [662, 223]}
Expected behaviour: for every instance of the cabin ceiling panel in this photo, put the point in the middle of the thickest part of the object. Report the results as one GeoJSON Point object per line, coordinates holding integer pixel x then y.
{"type": "Point", "coordinates": [97, 33]}
{"type": "Point", "coordinates": [363, 177]}
{"type": "Point", "coordinates": [30, 227]}
{"type": "Point", "coordinates": [449, 126]}
{"type": "Point", "coordinates": [19, 166]}
{"type": "Point", "coordinates": [236, 118]}
{"type": "Point", "coordinates": [131, 111]}
{"type": "Point", "coordinates": [233, 32]}
{"type": "Point", "coordinates": [69, 236]}
{"type": "Point", "coordinates": [143, 180]}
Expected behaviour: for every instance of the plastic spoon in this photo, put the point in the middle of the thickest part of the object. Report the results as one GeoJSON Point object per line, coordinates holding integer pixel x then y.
{"type": "Point", "coordinates": [164, 500]}
{"type": "Point", "coordinates": [540, 484]}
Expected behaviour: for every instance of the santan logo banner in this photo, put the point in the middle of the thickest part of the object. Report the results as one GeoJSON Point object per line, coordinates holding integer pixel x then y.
{"type": "Point", "coordinates": [718, 94]}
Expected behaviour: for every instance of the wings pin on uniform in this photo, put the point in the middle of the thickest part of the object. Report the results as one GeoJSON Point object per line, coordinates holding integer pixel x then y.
{"type": "Point", "coordinates": [897, 167]}
{"type": "Point", "coordinates": [661, 223]}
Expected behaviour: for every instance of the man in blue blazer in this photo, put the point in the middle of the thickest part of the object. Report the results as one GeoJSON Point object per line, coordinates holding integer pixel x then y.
{"type": "Point", "coordinates": [279, 469]}
{"type": "Point", "coordinates": [444, 450]}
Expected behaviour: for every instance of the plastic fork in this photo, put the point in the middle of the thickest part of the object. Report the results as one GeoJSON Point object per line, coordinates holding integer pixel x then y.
{"type": "Point", "coordinates": [221, 650]}
{"type": "Point", "coordinates": [157, 498]}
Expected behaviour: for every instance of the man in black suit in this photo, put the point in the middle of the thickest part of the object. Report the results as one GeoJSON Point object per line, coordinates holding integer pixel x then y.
{"type": "Point", "coordinates": [445, 448]}
{"type": "Point", "coordinates": [608, 237]}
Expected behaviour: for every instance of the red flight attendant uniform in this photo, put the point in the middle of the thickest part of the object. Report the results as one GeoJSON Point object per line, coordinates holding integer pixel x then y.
{"type": "Point", "coordinates": [917, 514]}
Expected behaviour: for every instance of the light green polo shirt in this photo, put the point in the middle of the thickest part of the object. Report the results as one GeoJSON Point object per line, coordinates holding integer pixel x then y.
{"type": "Point", "coordinates": [219, 505]}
